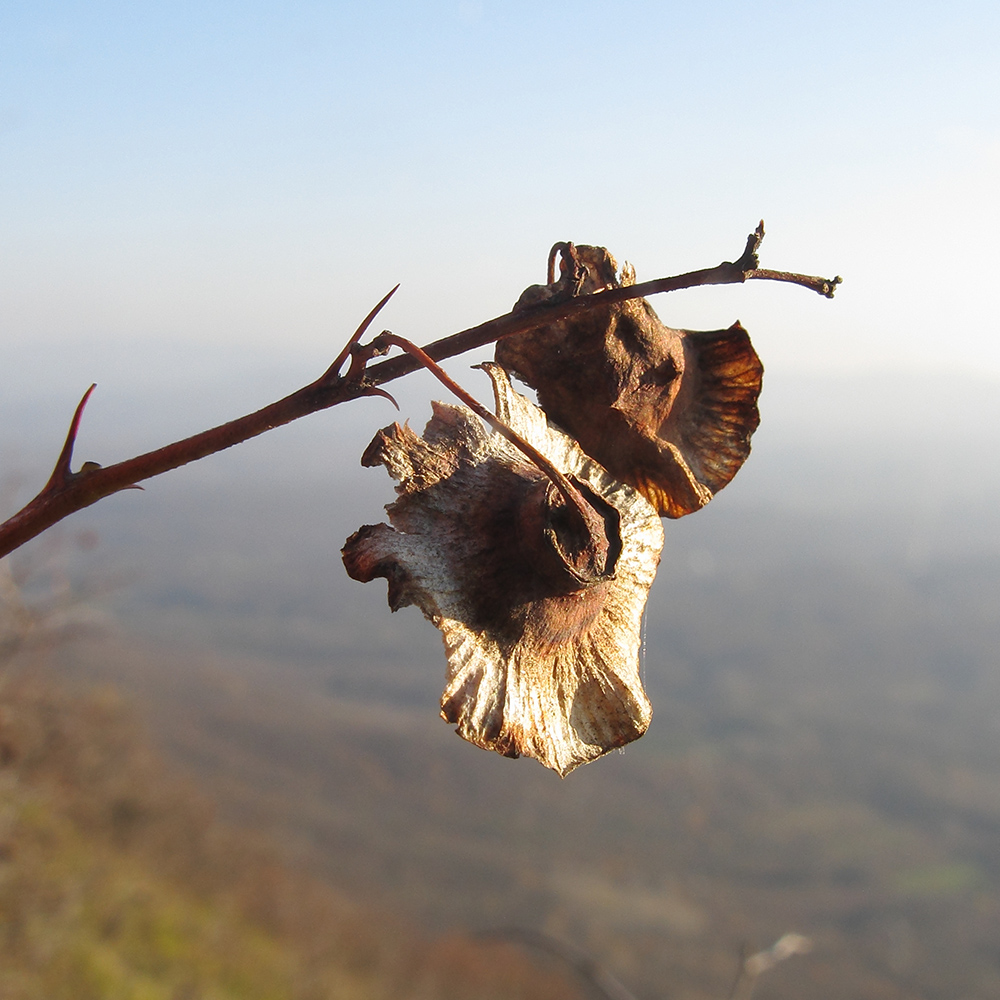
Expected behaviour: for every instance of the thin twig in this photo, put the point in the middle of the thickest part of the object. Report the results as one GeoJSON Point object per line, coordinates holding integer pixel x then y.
{"type": "Point", "coordinates": [744, 983]}
{"type": "Point", "coordinates": [570, 494]}
{"type": "Point", "coordinates": [67, 492]}
{"type": "Point", "coordinates": [727, 273]}
{"type": "Point", "coordinates": [600, 982]}
{"type": "Point", "coordinates": [593, 540]}
{"type": "Point", "coordinates": [751, 966]}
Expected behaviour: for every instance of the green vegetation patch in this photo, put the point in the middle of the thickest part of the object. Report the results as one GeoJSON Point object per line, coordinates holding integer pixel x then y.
{"type": "Point", "coordinates": [82, 921]}
{"type": "Point", "coordinates": [939, 880]}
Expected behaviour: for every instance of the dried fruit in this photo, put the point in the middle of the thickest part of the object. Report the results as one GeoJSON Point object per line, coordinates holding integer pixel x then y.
{"type": "Point", "coordinates": [540, 617]}
{"type": "Point", "coordinates": [669, 411]}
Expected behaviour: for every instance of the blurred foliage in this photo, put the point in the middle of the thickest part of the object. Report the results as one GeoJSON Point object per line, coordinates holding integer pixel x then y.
{"type": "Point", "coordinates": [821, 650]}
{"type": "Point", "coordinates": [116, 881]}
{"type": "Point", "coordinates": [823, 758]}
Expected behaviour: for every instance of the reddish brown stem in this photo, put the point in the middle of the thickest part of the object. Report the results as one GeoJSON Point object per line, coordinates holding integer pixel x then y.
{"type": "Point", "coordinates": [726, 273]}
{"type": "Point", "coordinates": [67, 492]}
{"type": "Point", "coordinates": [570, 493]}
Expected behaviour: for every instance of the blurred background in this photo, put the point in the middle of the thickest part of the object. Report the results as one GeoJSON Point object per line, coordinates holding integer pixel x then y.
{"type": "Point", "coordinates": [200, 203]}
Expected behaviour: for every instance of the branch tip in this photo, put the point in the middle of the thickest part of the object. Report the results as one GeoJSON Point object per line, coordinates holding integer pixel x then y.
{"type": "Point", "coordinates": [748, 260]}
{"type": "Point", "coordinates": [823, 286]}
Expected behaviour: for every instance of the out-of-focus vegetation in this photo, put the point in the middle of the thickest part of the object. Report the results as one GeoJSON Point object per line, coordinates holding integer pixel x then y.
{"type": "Point", "coordinates": [735, 820]}
{"type": "Point", "coordinates": [116, 881]}
{"type": "Point", "coordinates": [821, 653]}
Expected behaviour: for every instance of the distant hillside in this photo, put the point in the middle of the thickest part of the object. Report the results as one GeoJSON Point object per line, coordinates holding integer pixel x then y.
{"type": "Point", "coordinates": [117, 881]}
{"type": "Point", "coordinates": [740, 816]}
{"type": "Point", "coordinates": [820, 652]}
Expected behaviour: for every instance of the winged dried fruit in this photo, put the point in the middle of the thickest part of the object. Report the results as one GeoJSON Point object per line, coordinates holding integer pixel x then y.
{"type": "Point", "coordinates": [669, 411]}
{"type": "Point", "coordinates": [542, 642]}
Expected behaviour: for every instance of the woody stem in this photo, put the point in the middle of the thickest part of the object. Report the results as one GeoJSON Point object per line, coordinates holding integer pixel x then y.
{"type": "Point", "coordinates": [67, 492]}
{"type": "Point", "coordinates": [570, 493]}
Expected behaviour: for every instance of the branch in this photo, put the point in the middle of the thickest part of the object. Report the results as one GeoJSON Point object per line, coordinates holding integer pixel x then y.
{"type": "Point", "coordinates": [727, 273]}
{"type": "Point", "coordinates": [67, 492]}
{"type": "Point", "coordinates": [569, 492]}
{"type": "Point", "coordinates": [751, 966]}
{"type": "Point", "coordinates": [601, 984]}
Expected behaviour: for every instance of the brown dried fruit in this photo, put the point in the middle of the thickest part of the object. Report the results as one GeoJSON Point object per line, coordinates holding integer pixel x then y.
{"type": "Point", "coordinates": [669, 411]}
{"type": "Point", "coordinates": [542, 645]}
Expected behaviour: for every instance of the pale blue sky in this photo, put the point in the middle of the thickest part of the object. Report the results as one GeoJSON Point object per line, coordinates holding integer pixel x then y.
{"type": "Point", "coordinates": [231, 185]}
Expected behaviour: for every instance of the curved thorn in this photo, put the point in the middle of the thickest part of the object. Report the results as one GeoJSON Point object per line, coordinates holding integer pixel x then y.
{"type": "Point", "coordinates": [61, 473]}
{"type": "Point", "coordinates": [375, 391]}
{"type": "Point", "coordinates": [334, 369]}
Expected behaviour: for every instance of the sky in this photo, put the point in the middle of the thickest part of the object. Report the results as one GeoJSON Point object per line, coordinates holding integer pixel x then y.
{"type": "Point", "coordinates": [201, 200]}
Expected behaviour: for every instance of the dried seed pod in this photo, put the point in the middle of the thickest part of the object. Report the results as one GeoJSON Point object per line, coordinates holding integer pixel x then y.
{"type": "Point", "coordinates": [540, 617]}
{"type": "Point", "coordinates": [669, 411]}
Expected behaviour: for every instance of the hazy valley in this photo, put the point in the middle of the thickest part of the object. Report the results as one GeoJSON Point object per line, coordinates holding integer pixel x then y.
{"type": "Point", "coordinates": [821, 653]}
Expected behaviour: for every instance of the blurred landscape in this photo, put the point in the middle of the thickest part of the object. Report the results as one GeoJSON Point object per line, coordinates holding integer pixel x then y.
{"type": "Point", "coordinates": [821, 652]}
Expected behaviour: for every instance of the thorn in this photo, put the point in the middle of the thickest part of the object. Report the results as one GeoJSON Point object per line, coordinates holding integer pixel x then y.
{"type": "Point", "coordinates": [61, 473]}
{"type": "Point", "coordinates": [334, 369]}
{"type": "Point", "coordinates": [375, 391]}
